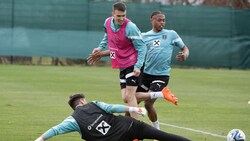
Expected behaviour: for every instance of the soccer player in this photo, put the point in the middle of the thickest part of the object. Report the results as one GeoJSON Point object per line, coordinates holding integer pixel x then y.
{"type": "Point", "coordinates": [95, 122]}
{"type": "Point", "coordinates": [156, 71]}
{"type": "Point", "coordinates": [127, 51]}
{"type": "Point", "coordinates": [155, 77]}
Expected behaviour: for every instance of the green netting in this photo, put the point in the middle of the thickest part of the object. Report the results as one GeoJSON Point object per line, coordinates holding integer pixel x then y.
{"type": "Point", "coordinates": [5, 13]}
{"type": "Point", "coordinates": [199, 21]}
{"type": "Point", "coordinates": [51, 14]}
{"type": "Point", "coordinates": [241, 21]}
{"type": "Point", "coordinates": [216, 36]}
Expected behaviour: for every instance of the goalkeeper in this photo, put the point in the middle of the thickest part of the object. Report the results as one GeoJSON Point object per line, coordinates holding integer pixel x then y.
{"type": "Point", "coordinates": [95, 122]}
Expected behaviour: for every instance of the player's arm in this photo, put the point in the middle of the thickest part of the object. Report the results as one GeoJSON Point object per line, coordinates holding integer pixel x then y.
{"type": "Point", "coordinates": [104, 43]}
{"type": "Point", "coordinates": [97, 53]}
{"type": "Point", "coordinates": [68, 125]}
{"type": "Point", "coordinates": [134, 34]}
{"type": "Point", "coordinates": [118, 108]}
{"type": "Point", "coordinates": [184, 53]}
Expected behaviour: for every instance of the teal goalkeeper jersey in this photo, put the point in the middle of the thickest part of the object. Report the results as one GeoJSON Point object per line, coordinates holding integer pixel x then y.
{"type": "Point", "coordinates": [70, 124]}
{"type": "Point", "coordinates": [160, 47]}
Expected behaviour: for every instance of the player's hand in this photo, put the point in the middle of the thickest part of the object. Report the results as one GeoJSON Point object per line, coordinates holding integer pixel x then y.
{"type": "Point", "coordinates": [181, 57]}
{"type": "Point", "coordinates": [137, 72]}
{"type": "Point", "coordinates": [141, 111]}
{"type": "Point", "coordinates": [94, 57]}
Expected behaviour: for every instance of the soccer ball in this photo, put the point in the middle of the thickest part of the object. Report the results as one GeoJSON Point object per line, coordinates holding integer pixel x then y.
{"type": "Point", "coordinates": [236, 135]}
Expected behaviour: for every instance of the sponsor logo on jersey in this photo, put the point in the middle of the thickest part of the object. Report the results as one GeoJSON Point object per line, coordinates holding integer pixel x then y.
{"type": "Point", "coordinates": [103, 127]}
{"type": "Point", "coordinates": [156, 43]}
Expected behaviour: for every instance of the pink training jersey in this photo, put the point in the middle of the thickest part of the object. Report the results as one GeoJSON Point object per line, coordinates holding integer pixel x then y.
{"type": "Point", "coordinates": [122, 51]}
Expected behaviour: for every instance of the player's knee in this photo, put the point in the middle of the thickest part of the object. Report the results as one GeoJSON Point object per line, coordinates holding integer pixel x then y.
{"type": "Point", "coordinates": [124, 100]}
{"type": "Point", "coordinates": [129, 96]}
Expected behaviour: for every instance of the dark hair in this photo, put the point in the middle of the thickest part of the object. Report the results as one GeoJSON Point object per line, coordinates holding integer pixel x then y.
{"type": "Point", "coordinates": [74, 100]}
{"type": "Point", "coordinates": [155, 13]}
{"type": "Point", "coordinates": [119, 6]}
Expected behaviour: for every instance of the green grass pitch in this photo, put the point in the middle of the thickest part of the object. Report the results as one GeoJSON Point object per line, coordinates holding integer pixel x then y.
{"type": "Point", "coordinates": [34, 98]}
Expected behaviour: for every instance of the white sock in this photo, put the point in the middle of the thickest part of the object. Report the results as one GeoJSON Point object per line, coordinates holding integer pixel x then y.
{"type": "Point", "coordinates": [156, 125]}
{"type": "Point", "coordinates": [154, 95]}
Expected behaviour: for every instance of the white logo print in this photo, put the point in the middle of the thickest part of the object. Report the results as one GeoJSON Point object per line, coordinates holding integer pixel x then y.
{"type": "Point", "coordinates": [112, 55]}
{"type": "Point", "coordinates": [159, 85]}
{"type": "Point", "coordinates": [103, 127]}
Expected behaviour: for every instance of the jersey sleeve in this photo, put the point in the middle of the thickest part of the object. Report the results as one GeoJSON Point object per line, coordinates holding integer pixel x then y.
{"type": "Point", "coordinates": [68, 125]}
{"type": "Point", "coordinates": [111, 108]}
{"type": "Point", "coordinates": [177, 41]}
{"type": "Point", "coordinates": [104, 42]}
{"type": "Point", "coordinates": [134, 34]}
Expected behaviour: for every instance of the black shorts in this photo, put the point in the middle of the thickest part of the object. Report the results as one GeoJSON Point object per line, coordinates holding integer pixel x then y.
{"type": "Point", "coordinates": [127, 77]}
{"type": "Point", "coordinates": [152, 82]}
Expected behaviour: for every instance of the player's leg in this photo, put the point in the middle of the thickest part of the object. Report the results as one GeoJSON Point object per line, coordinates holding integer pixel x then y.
{"type": "Point", "coordinates": [123, 85]}
{"type": "Point", "coordinates": [142, 93]}
{"type": "Point", "coordinates": [131, 99]}
{"type": "Point", "coordinates": [156, 85]}
{"type": "Point", "coordinates": [158, 92]}
{"type": "Point", "coordinates": [165, 93]}
{"type": "Point", "coordinates": [149, 132]}
{"type": "Point", "coordinates": [152, 114]}
{"type": "Point", "coordinates": [123, 88]}
{"type": "Point", "coordinates": [142, 131]}
{"type": "Point", "coordinates": [130, 88]}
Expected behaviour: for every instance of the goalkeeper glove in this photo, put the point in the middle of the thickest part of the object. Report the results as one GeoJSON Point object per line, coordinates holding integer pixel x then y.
{"type": "Point", "coordinates": [139, 110]}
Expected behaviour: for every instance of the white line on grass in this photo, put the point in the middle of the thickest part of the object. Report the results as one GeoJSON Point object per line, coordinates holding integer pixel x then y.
{"type": "Point", "coordinates": [193, 130]}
